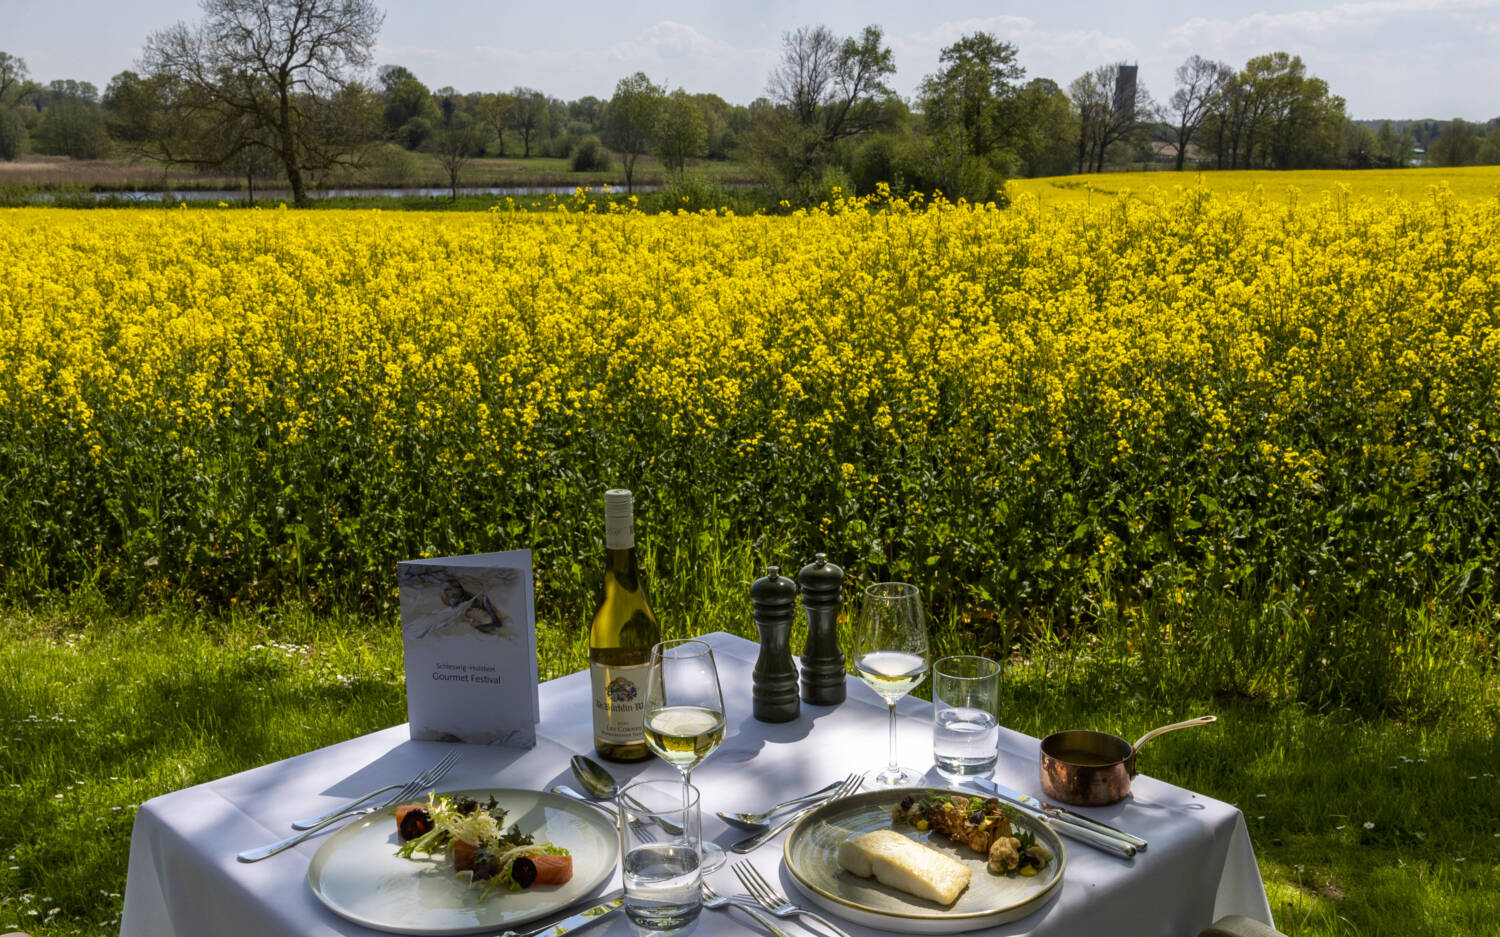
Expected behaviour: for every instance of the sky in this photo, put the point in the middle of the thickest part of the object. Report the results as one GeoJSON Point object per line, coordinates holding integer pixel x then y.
{"type": "Point", "coordinates": [1387, 58]}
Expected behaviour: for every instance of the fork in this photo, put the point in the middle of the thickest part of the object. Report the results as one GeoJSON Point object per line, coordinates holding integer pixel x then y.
{"type": "Point", "coordinates": [773, 900]}
{"type": "Point", "coordinates": [850, 785]}
{"type": "Point", "coordinates": [425, 778]}
{"type": "Point", "coordinates": [715, 902]}
{"type": "Point", "coordinates": [410, 790]}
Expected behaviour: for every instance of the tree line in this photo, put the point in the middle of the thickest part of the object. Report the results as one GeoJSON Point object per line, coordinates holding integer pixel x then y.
{"type": "Point", "coordinates": [275, 90]}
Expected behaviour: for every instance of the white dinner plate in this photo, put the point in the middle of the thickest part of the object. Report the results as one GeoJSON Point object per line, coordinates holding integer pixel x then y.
{"type": "Point", "coordinates": [811, 854]}
{"type": "Point", "coordinates": [358, 875]}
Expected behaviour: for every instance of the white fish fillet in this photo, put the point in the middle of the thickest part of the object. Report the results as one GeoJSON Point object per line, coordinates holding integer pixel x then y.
{"type": "Point", "coordinates": [902, 863]}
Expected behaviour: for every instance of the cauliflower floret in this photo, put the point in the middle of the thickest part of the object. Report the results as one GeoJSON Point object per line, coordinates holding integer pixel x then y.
{"type": "Point", "coordinates": [1005, 854]}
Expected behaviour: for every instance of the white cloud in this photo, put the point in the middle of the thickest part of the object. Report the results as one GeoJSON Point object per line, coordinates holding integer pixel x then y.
{"type": "Point", "coordinates": [1332, 24]}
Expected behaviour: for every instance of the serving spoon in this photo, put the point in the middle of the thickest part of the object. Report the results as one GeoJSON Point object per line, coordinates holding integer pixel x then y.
{"type": "Point", "coordinates": [754, 822]}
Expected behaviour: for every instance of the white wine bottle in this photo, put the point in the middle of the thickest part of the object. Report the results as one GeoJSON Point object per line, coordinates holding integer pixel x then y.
{"type": "Point", "coordinates": [620, 640]}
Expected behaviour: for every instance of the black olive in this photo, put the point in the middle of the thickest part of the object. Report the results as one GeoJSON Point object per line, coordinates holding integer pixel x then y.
{"type": "Point", "coordinates": [415, 823]}
{"type": "Point", "coordinates": [465, 805]}
{"type": "Point", "coordinates": [907, 801]}
{"type": "Point", "coordinates": [976, 817]}
{"type": "Point", "coordinates": [523, 872]}
{"type": "Point", "coordinates": [1029, 858]}
{"type": "Point", "coordinates": [486, 863]}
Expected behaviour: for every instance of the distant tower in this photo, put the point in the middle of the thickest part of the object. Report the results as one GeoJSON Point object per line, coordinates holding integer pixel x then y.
{"type": "Point", "coordinates": [1125, 91]}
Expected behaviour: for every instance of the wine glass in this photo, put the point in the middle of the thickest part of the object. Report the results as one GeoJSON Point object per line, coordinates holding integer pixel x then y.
{"type": "Point", "coordinates": [892, 657]}
{"type": "Point", "coordinates": [685, 716]}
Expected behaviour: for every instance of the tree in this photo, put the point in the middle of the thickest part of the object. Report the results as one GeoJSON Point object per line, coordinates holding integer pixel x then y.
{"type": "Point", "coordinates": [824, 90]}
{"type": "Point", "coordinates": [12, 78]}
{"type": "Point", "coordinates": [269, 67]}
{"type": "Point", "coordinates": [1049, 129]}
{"type": "Point", "coordinates": [72, 125]}
{"type": "Point", "coordinates": [681, 132]}
{"type": "Point", "coordinates": [630, 120]}
{"type": "Point", "coordinates": [1112, 106]}
{"type": "Point", "coordinates": [409, 111]}
{"type": "Point", "coordinates": [456, 141]}
{"type": "Point", "coordinates": [968, 107]}
{"type": "Point", "coordinates": [971, 96]}
{"type": "Point", "coordinates": [1200, 86]}
{"type": "Point", "coordinates": [529, 116]}
{"type": "Point", "coordinates": [494, 112]}
{"type": "Point", "coordinates": [12, 134]}
{"type": "Point", "coordinates": [1458, 146]}
{"type": "Point", "coordinates": [12, 87]}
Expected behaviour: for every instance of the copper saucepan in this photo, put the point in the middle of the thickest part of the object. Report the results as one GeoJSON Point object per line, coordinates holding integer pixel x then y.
{"type": "Point", "coordinates": [1091, 769]}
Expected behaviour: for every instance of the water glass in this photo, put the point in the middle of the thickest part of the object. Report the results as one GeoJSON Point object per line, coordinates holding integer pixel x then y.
{"type": "Point", "coordinates": [965, 733]}
{"type": "Point", "coordinates": [661, 869]}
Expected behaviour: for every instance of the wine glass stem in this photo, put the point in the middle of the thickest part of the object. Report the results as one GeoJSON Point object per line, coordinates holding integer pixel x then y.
{"type": "Point", "coordinates": [687, 788]}
{"type": "Point", "coordinates": [893, 767]}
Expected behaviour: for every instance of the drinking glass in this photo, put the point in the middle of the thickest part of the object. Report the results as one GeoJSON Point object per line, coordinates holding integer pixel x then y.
{"type": "Point", "coordinates": [662, 872]}
{"type": "Point", "coordinates": [685, 715]}
{"type": "Point", "coordinates": [892, 657]}
{"type": "Point", "coordinates": [965, 733]}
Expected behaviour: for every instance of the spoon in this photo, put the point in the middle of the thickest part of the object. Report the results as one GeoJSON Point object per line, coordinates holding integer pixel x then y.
{"type": "Point", "coordinates": [595, 778]}
{"type": "Point", "coordinates": [602, 785]}
{"type": "Point", "coordinates": [753, 822]}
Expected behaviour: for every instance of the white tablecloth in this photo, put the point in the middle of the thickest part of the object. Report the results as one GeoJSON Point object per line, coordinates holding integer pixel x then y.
{"type": "Point", "coordinates": [184, 880]}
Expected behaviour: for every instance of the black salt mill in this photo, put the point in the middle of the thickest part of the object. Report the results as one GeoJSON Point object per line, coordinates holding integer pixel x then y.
{"type": "Point", "coordinates": [822, 658]}
{"type": "Point", "coordinates": [774, 693]}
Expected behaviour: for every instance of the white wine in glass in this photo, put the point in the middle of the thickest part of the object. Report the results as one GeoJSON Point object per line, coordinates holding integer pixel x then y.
{"type": "Point", "coordinates": [685, 716]}
{"type": "Point", "coordinates": [892, 658]}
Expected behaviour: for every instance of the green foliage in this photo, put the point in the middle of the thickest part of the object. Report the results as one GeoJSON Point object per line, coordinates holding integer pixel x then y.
{"type": "Point", "coordinates": [591, 156]}
{"type": "Point", "coordinates": [12, 134]}
{"type": "Point", "coordinates": [74, 127]}
{"type": "Point", "coordinates": [681, 132]}
{"type": "Point", "coordinates": [630, 120]}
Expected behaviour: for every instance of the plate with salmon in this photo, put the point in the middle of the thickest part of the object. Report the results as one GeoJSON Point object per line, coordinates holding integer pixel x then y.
{"type": "Point", "coordinates": [460, 862]}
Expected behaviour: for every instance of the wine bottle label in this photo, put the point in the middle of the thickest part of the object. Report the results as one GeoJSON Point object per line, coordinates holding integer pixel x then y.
{"type": "Point", "coordinates": [619, 702]}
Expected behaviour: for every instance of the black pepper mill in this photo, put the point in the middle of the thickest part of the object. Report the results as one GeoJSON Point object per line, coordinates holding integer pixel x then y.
{"type": "Point", "coordinates": [775, 688]}
{"type": "Point", "coordinates": [822, 658]}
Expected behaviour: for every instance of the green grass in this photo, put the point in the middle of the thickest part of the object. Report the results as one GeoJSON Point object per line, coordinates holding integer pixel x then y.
{"type": "Point", "coordinates": [1362, 826]}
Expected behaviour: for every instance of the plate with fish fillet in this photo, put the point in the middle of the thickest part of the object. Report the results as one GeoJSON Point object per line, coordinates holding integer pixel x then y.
{"type": "Point", "coordinates": [924, 860]}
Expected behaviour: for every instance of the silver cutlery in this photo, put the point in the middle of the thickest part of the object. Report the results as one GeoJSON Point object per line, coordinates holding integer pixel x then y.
{"type": "Point", "coordinates": [441, 767]}
{"type": "Point", "coordinates": [1054, 811]}
{"type": "Point", "coordinates": [606, 905]}
{"type": "Point", "coordinates": [754, 822]}
{"type": "Point", "coordinates": [774, 901]}
{"type": "Point", "coordinates": [717, 902]}
{"type": "Point", "coordinates": [1064, 827]}
{"type": "Point", "coordinates": [849, 786]}
{"type": "Point", "coordinates": [641, 828]}
{"type": "Point", "coordinates": [412, 789]}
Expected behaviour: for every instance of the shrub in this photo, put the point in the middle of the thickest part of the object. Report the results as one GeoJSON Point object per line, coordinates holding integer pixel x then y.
{"type": "Point", "coordinates": [591, 156]}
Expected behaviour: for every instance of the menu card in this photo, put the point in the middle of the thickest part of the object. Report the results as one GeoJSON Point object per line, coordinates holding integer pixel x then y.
{"type": "Point", "coordinates": [468, 624]}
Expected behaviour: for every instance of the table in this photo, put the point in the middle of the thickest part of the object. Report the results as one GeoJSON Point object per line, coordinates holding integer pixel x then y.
{"type": "Point", "coordinates": [184, 880]}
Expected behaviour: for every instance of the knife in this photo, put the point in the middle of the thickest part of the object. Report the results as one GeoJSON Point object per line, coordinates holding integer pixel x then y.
{"type": "Point", "coordinates": [1108, 842]}
{"type": "Point", "coordinates": [1052, 810]}
{"type": "Point", "coordinates": [607, 905]}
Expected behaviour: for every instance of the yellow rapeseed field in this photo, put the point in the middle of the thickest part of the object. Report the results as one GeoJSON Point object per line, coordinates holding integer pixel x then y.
{"type": "Point", "coordinates": [1058, 406]}
{"type": "Point", "coordinates": [1468, 183]}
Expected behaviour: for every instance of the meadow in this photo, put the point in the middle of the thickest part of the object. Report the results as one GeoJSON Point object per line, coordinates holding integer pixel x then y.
{"type": "Point", "coordinates": [1169, 451]}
